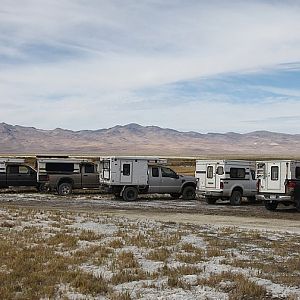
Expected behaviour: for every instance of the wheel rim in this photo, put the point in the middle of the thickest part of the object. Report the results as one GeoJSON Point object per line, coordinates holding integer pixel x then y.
{"type": "Point", "coordinates": [65, 190]}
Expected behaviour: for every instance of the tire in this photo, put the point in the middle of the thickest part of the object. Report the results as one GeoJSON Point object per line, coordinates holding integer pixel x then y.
{"type": "Point", "coordinates": [297, 205]}
{"type": "Point", "coordinates": [189, 193]}
{"type": "Point", "coordinates": [130, 193]}
{"type": "Point", "coordinates": [43, 188]}
{"type": "Point", "coordinates": [65, 189]}
{"type": "Point", "coordinates": [251, 199]}
{"type": "Point", "coordinates": [269, 205]}
{"type": "Point", "coordinates": [210, 200]}
{"type": "Point", "coordinates": [236, 198]}
{"type": "Point", "coordinates": [175, 195]}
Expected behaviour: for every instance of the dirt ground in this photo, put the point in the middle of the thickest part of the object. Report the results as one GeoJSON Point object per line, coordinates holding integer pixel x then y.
{"type": "Point", "coordinates": [163, 208]}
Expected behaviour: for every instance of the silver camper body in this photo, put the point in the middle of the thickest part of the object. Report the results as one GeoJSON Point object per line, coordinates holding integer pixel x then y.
{"type": "Point", "coordinates": [226, 179]}
{"type": "Point", "coordinates": [277, 181]}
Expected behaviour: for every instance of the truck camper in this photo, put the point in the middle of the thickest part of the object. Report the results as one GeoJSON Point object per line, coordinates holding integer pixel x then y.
{"type": "Point", "coordinates": [126, 177]}
{"type": "Point", "coordinates": [15, 172]}
{"type": "Point", "coordinates": [279, 182]}
{"type": "Point", "coordinates": [226, 180]}
{"type": "Point", "coordinates": [65, 174]}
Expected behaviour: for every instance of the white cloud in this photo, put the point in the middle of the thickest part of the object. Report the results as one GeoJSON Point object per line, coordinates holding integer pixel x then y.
{"type": "Point", "coordinates": [111, 49]}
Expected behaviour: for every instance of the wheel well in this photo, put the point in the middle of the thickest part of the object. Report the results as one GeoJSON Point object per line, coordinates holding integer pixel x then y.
{"type": "Point", "coordinates": [65, 180]}
{"type": "Point", "coordinates": [237, 188]}
{"type": "Point", "coordinates": [188, 184]}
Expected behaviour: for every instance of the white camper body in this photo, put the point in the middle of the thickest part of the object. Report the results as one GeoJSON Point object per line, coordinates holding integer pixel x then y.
{"type": "Point", "coordinates": [126, 177]}
{"type": "Point", "coordinates": [5, 161]}
{"type": "Point", "coordinates": [277, 181]}
{"type": "Point", "coordinates": [226, 179]}
{"type": "Point", "coordinates": [126, 170]}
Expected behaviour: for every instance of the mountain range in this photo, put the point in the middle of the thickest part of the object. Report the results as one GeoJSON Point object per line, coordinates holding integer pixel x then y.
{"type": "Point", "coordinates": [135, 139]}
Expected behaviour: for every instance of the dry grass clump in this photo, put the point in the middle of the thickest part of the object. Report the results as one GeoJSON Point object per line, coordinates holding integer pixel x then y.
{"type": "Point", "coordinates": [174, 281]}
{"type": "Point", "coordinates": [194, 257]}
{"type": "Point", "coordinates": [236, 285]}
{"type": "Point", "coordinates": [86, 283]}
{"type": "Point", "coordinates": [125, 260]}
{"type": "Point", "coordinates": [120, 296]}
{"type": "Point", "coordinates": [160, 254]}
{"type": "Point", "coordinates": [63, 239]}
{"type": "Point", "coordinates": [89, 235]}
{"type": "Point", "coordinates": [181, 270]}
{"type": "Point", "coordinates": [116, 243]}
{"type": "Point", "coordinates": [129, 275]}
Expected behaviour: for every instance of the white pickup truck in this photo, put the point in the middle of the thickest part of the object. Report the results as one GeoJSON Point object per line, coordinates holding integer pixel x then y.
{"type": "Point", "coordinates": [226, 180]}
{"type": "Point", "coordinates": [126, 177]}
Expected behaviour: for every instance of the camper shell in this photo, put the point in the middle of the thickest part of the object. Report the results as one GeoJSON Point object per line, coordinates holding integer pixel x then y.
{"type": "Point", "coordinates": [279, 182]}
{"type": "Point", "coordinates": [226, 180]}
{"type": "Point", "coordinates": [15, 172]}
{"type": "Point", "coordinates": [126, 177]}
{"type": "Point", "coordinates": [65, 174]}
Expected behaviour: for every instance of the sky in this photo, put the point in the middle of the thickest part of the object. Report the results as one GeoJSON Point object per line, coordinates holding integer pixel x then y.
{"type": "Point", "coordinates": [193, 65]}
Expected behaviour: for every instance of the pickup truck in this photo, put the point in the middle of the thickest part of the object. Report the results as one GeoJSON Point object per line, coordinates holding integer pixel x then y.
{"type": "Point", "coordinates": [64, 175]}
{"type": "Point", "coordinates": [126, 177]}
{"type": "Point", "coordinates": [15, 174]}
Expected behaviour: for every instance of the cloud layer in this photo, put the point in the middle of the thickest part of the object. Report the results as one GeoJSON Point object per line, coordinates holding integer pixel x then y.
{"type": "Point", "coordinates": [80, 65]}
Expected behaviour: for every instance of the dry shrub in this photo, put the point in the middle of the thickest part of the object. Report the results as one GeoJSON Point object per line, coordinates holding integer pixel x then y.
{"type": "Point", "coordinates": [161, 254]}
{"type": "Point", "coordinates": [89, 235]}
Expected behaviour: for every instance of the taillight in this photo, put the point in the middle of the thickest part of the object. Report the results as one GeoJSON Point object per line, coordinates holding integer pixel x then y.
{"type": "Point", "coordinates": [257, 185]}
{"type": "Point", "coordinates": [290, 187]}
{"type": "Point", "coordinates": [43, 178]}
{"type": "Point", "coordinates": [221, 185]}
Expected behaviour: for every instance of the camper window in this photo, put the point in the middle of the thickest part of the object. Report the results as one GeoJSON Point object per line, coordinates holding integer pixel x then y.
{"type": "Point", "coordinates": [126, 169]}
{"type": "Point", "coordinates": [237, 173]}
{"type": "Point", "coordinates": [220, 170]}
{"type": "Point", "coordinates": [59, 167]}
{"type": "Point", "coordinates": [155, 172]}
{"type": "Point", "coordinates": [210, 172]}
{"type": "Point", "coordinates": [274, 173]}
{"type": "Point", "coordinates": [297, 173]}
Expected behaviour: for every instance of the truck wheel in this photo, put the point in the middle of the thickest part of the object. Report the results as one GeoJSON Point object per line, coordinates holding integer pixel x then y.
{"type": "Point", "coordinates": [251, 199]}
{"type": "Point", "coordinates": [271, 205]}
{"type": "Point", "coordinates": [175, 195]}
{"type": "Point", "coordinates": [236, 198]}
{"type": "Point", "coordinates": [189, 193]}
{"type": "Point", "coordinates": [43, 188]}
{"type": "Point", "coordinates": [65, 189]}
{"type": "Point", "coordinates": [210, 200]}
{"type": "Point", "coordinates": [130, 193]}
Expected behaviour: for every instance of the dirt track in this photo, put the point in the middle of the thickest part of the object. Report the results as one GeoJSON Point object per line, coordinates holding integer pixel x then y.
{"type": "Point", "coordinates": [163, 209]}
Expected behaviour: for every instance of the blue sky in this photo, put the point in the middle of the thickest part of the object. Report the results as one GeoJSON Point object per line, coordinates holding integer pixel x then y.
{"type": "Point", "coordinates": [207, 66]}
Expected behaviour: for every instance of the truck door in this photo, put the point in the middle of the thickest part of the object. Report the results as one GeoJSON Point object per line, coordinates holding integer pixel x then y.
{"type": "Point", "coordinates": [126, 172]}
{"type": "Point", "coordinates": [154, 179]}
{"type": "Point", "coordinates": [90, 176]}
{"type": "Point", "coordinates": [210, 180]}
{"type": "Point", "coordinates": [170, 181]}
{"type": "Point", "coordinates": [273, 176]}
{"type": "Point", "coordinates": [18, 175]}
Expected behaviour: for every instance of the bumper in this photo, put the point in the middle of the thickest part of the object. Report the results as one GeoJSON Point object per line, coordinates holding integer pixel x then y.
{"type": "Point", "coordinates": [274, 197]}
{"type": "Point", "coordinates": [214, 194]}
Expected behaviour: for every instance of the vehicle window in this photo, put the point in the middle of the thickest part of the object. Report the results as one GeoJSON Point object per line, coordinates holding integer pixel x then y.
{"type": "Point", "coordinates": [252, 174]}
{"type": "Point", "coordinates": [89, 168]}
{"type": "Point", "coordinates": [210, 172]}
{"type": "Point", "coordinates": [297, 173]}
{"type": "Point", "coordinates": [60, 167]}
{"type": "Point", "coordinates": [126, 169]}
{"type": "Point", "coordinates": [13, 169]}
{"type": "Point", "coordinates": [220, 170]}
{"type": "Point", "coordinates": [274, 173]}
{"type": "Point", "coordinates": [166, 172]}
{"type": "Point", "coordinates": [237, 173]}
{"type": "Point", "coordinates": [23, 170]}
{"type": "Point", "coordinates": [155, 172]}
